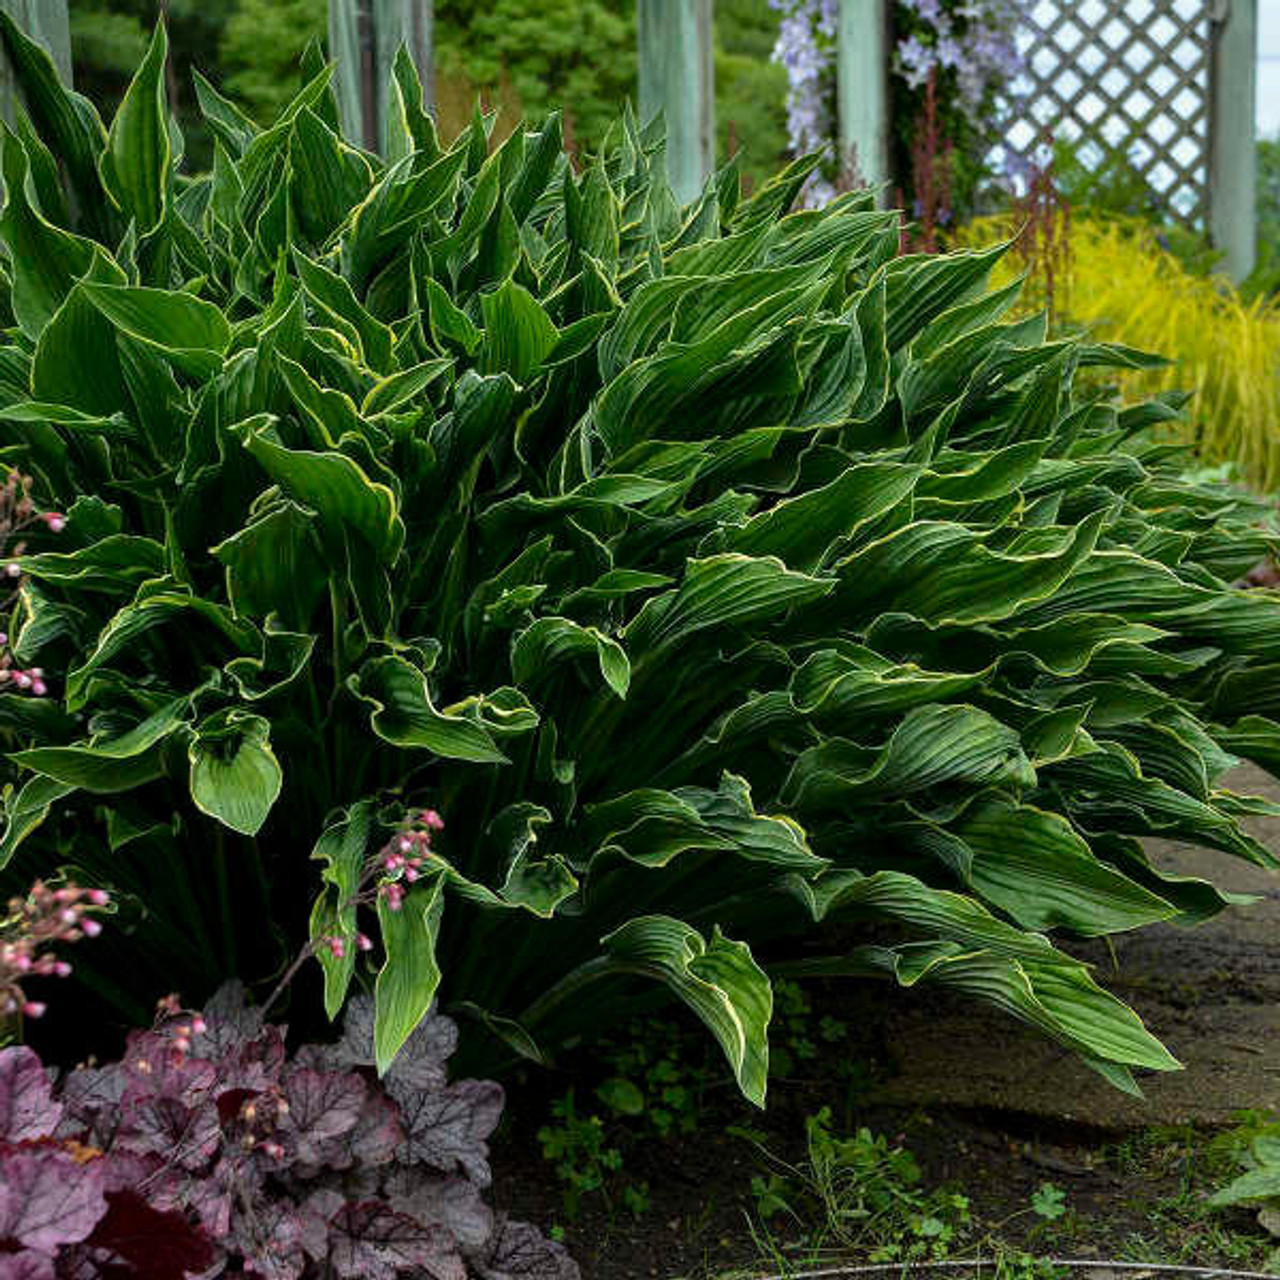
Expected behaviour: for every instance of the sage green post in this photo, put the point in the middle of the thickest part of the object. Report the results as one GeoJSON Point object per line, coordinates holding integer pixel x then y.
{"type": "Point", "coordinates": [46, 21]}
{"type": "Point", "coordinates": [677, 78]}
{"type": "Point", "coordinates": [862, 89]}
{"type": "Point", "coordinates": [1233, 161]}
{"type": "Point", "coordinates": [364, 36]}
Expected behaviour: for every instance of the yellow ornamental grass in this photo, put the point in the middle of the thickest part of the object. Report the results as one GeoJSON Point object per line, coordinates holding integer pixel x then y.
{"type": "Point", "coordinates": [1114, 279]}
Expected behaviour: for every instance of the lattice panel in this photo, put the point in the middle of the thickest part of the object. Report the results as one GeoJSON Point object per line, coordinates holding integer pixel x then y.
{"type": "Point", "coordinates": [1119, 75]}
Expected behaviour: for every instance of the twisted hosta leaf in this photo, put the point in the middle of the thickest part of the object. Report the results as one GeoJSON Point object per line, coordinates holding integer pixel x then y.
{"type": "Point", "coordinates": [713, 571]}
{"type": "Point", "coordinates": [717, 979]}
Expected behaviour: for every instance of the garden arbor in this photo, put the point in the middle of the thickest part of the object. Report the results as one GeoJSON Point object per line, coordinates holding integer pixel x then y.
{"type": "Point", "coordinates": [1170, 83]}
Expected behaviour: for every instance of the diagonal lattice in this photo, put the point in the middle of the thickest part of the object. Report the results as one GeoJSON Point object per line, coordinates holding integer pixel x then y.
{"type": "Point", "coordinates": [1127, 77]}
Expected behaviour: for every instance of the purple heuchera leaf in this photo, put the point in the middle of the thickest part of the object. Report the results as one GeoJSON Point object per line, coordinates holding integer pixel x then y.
{"type": "Point", "coordinates": [27, 1108]}
{"type": "Point", "coordinates": [232, 1159]}
{"type": "Point", "coordinates": [230, 1023]}
{"type": "Point", "coordinates": [151, 1244]}
{"type": "Point", "coordinates": [91, 1099]}
{"type": "Point", "coordinates": [521, 1252]}
{"type": "Point", "coordinates": [26, 1265]}
{"type": "Point", "coordinates": [323, 1107]}
{"type": "Point", "coordinates": [420, 1062]}
{"type": "Point", "coordinates": [449, 1202]}
{"type": "Point", "coordinates": [372, 1242]}
{"type": "Point", "coordinates": [270, 1239]}
{"type": "Point", "coordinates": [46, 1198]}
{"type": "Point", "coordinates": [446, 1128]}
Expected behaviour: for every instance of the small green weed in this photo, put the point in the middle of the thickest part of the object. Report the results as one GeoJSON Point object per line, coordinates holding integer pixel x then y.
{"type": "Point", "coordinates": [857, 1193]}
{"type": "Point", "coordinates": [578, 1149]}
{"type": "Point", "coordinates": [793, 1037]}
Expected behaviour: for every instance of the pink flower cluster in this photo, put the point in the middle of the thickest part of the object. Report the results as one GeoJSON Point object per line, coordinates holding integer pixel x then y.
{"type": "Point", "coordinates": [402, 858]}
{"type": "Point", "coordinates": [17, 514]}
{"type": "Point", "coordinates": [387, 875]}
{"type": "Point", "coordinates": [44, 918]}
{"type": "Point", "coordinates": [29, 681]}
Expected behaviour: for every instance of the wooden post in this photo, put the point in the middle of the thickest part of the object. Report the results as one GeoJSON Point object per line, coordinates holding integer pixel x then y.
{"type": "Point", "coordinates": [862, 89]}
{"type": "Point", "coordinates": [1233, 159]}
{"type": "Point", "coordinates": [364, 36]}
{"type": "Point", "coordinates": [46, 21]}
{"type": "Point", "coordinates": [677, 78]}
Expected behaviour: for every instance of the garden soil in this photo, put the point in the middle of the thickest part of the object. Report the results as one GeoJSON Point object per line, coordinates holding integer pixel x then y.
{"type": "Point", "coordinates": [986, 1104]}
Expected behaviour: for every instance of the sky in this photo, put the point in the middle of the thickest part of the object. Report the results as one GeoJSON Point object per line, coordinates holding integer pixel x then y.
{"type": "Point", "coordinates": [1269, 67]}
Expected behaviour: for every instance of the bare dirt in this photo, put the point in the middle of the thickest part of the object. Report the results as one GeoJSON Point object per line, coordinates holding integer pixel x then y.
{"type": "Point", "coordinates": [985, 1104]}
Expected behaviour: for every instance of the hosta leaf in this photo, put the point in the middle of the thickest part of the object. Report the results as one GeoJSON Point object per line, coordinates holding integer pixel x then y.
{"type": "Point", "coordinates": [235, 776]}
{"type": "Point", "coordinates": [157, 603]}
{"type": "Point", "coordinates": [135, 165]}
{"type": "Point", "coordinates": [47, 260]}
{"type": "Point", "coordinates": [234, 129]}
{"type": "Point", "coordinates": [1059, 997]}
{"type": "Point", "coordinates": [108, 764]}
{"type": "Point", "coordinates": [804, 531]}
{"type": "Point", "coordinates": [110, 564]}
{"type": "Point", "coordinates": [1034, 866]}
{"type": "Point", "coordinates": [549, 641]}
{"type": "Point", "coordinates": [532, 879]}
{"type": "Point", "coordinates": [68, 123]}
{"type": "Point", "coordinates": [719, 591]}
{"type": "Point", "coordinates": [943, 573]}
{"type": "Point", "coordinates": [77, 358]}
{"type": "Point", "coordinates": [652, 827]}
{"type": "Point", "coordinates": [717, 979]}
{"type": "Point", "coordinates": [844, 688]}
{"type": "Point", "coordinates": [329, 483]}
{"type": "Point", "coordinates": [27, 810]}
{"type": "Point", "coordinates": [192, 334]}
{"type": "Point", "coordinates": [405, 716]}
{"type": "Point", "coordinates": [923, 287]}
{"type": "Point", "coordinates": [401, 391]}
{"type": "Point", "coordinates": [342, 848]}
{"type": "Point", "coordinates": [275, 565]}
{"type": "Point", "coordinates": [1261, 1183]}
{"type": "Point", "coordinates": [409, 975]}
{"type": "Point", "coordinates": [931, 746]}
{"type": "Point", "coordinates": [518, 333]}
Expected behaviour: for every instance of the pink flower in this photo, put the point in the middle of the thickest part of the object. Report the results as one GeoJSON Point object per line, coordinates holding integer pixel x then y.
{"type": "Point", "coordinates": [34, 1009]}
{"type": "Point", "coordinates": [55, 520]}
{"type": "Point", "coordinates": [91, 928]}
{"type": "Point", "coordinates": [364, 942]}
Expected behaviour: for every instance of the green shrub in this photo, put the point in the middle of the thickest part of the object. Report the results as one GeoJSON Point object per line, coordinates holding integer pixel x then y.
{"type": "Point", "coordinates": [715, 573]}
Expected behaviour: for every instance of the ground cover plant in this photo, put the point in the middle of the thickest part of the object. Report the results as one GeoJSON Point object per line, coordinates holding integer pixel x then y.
{"type": "Point", "coordinates": [546, 591]}
{"type": "Point", "coordinates": [208, 1148]}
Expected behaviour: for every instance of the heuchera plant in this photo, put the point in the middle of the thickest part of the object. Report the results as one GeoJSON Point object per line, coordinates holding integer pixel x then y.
{"type": "Point", "coordinates": [209, 1149]}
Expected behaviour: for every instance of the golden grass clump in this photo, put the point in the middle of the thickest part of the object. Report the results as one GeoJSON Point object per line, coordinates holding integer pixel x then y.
{"type": "Point", "coordinates": [1121, 285]}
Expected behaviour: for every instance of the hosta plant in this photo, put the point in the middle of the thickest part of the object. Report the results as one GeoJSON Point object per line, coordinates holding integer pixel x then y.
{"type": "Point", "coordinates": [713, 573]}
{"type": "Point", "coordinates": [208, 1150]}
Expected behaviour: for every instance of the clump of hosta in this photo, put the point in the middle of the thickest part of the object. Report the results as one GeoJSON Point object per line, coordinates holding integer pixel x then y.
{"type": "Point", "coordinates": [713, 572]}
{"type": "Point", "coordinates": [209, 1149]}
